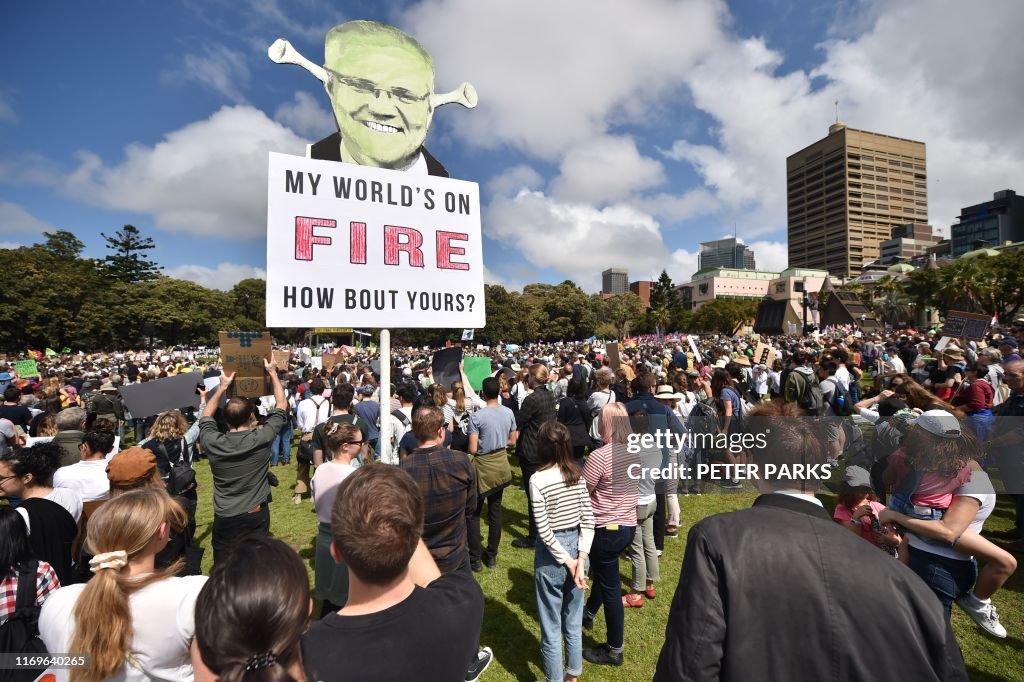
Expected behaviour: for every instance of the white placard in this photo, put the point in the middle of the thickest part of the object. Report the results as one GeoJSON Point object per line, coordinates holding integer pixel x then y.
{"type": "Point", "coordinates": [356, 246]}
{"type": "Point", "coordinates": [941, 345]}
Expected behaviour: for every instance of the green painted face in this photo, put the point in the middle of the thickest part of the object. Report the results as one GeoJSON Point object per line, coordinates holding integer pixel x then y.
{"type": "Point", "coordinates": [379, 89]}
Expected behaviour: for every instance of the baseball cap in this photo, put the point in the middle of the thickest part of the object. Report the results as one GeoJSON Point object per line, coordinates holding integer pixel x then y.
{"type": "Point", "coordinates": [939, 423]}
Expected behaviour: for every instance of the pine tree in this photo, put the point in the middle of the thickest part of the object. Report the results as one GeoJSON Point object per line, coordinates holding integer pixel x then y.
{"type": "Point", "coordinates": [128, 262]}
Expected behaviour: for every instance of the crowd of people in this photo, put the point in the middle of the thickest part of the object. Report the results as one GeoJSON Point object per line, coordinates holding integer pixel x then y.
{"type": "Point", "coordinates": [98, 540]}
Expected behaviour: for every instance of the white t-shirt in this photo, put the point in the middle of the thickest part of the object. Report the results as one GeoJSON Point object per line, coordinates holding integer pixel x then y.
{"type": "Point", "coordinates": [88, 478]}
{"type": "Point", "coordinates": [69, 499]}
{"type": "Point", "coordinates": [980, 488]}
{"type": "Point", "coordinates": [842, 375]}
{"type": "Point", "coordinates": [326, 479]}
{"type": "Point", "coordinates": [163, 624]}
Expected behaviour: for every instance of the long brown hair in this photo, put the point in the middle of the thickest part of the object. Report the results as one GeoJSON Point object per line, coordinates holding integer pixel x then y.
{"type": "Point", "coordinates": [254, 609]}
{"type": "Point", "coordinates": [169, 425]}
{"type": "Point", "coordinates": [102, 615]}
{"type": "Point", "coordinates": [554, 446]}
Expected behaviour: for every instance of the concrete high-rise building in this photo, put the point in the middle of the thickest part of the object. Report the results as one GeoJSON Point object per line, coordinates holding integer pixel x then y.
{"type": "Point", "coordinates": [614, 281]}
{"type": "Point", "coordinates": [845, 194]}
{"type": "Point", "coordinates": [725, 253]}
{"type": "Point", "coordinates": [908, 241]}
{"type": "Point", "coordinates": [990, 224]}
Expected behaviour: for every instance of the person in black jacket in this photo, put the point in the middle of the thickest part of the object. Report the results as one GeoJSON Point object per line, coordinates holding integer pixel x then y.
{"type": "Point", "coordinates": [538, 407]}
{"type": "Point", "coordinates": [574, 412]}
{"type": "Point", "coordinates": [778, 591]}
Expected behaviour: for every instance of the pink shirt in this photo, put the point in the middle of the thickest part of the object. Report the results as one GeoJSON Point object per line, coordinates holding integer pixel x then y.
{"type": "Point", "coordinates": [613, 493]}
{"type": "Point", "coordinates": [843, 514]}
{"type": "Point", "coordinates": [935, 491]}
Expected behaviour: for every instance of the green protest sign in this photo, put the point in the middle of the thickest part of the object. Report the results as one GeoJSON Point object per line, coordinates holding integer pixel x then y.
{"type": "Point", "coordinates": [477, 369]}
{"type": "Point", "coordinates": [26, 368]}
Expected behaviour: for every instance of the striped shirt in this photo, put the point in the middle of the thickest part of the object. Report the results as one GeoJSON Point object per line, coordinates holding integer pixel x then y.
{"type": "Point", "coordinates": [557, 506]}
{"type": "Point", "coordinates": [613, 494]}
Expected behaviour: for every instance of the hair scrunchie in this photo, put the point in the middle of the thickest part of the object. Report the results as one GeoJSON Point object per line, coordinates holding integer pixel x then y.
{"type": "Point", "coordinates": [115, 560]}
{"type": "Point", "coordinates": [260, 661]}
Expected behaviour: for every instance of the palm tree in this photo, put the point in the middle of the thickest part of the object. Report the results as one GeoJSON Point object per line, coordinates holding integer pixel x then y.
{"type": "Point", "coordinates": [894, 307]}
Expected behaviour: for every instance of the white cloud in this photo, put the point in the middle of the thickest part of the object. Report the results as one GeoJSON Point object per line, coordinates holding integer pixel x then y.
{"type": "Point", "coordinates": [604, 170]}
{"type": "Point", "coordinates": [579, 240]}
{"type": "Point", "coordinates": [771, 256]}
{"type": "Point", "coordinates": [553, 75]}
{"type": "Point", "coordinates": [306, 116]}
{"type": "Point", "coordinates": [678, 207]}
{"type": "Point", "coordinates": [899, 77]}
{"type": "Point", "coordinates": [207, 178]}
{"type": "Point", "coordinates": [223, 277]}
{"type": "Point", "coordinates": [10, 245]}
{"type": "Point", "coordinates": [510, 181]}
{"type": "Point", "coordinates": [217, 67]}
{"type": "Point", "coordinates": [14, 219]}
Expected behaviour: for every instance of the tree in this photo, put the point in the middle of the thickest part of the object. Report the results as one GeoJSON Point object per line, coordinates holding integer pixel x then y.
{"type": "Point", "coordinates": [128, 262]}
{"type": "Point", "coordinates": [249, 298]}
{"type": "Point", "coordinates": [622, 312]}
{"type": "Point", "coordinates": [894, 307]}
{"type": "Point", "coordinates": [725, 315]}
{"type": "Point", "coordinates": [63, 244]}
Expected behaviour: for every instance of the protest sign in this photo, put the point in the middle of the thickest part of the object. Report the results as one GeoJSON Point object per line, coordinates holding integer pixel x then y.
{"type": "Point", "coordinates": [613, 356]}
{"type": "Point", "coordinates": [282, 358]}
{"type": "Point", "coordinates": [26, 368]}
{"type": "Point", "coordinates": [693, 348]}
{"type": "Point", "coordinates": [477, 369]}
{"type": "Point", "coordinates": [967, 325]}
{"type": "Point", "coordinates": [370, 247]}
{"type": "Point", "coordinates": [153, 397]}
{"type": "Point", "coordinates": [445, 367]}
{"type": "Point", "coordinates": [243, 353]}
{"type": "Point", "coordinates": [764, 355]}
{"type": "Point", "coordinates": [329, 360]}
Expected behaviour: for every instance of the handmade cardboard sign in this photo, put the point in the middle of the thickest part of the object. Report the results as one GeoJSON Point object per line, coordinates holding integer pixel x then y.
{"type": "Point", "coordinates": [243, 353]}
{"type": "Point", "coordinates": [614, 361]}
{"type": "Point", "coordinates": [764, 355]}
{"type": "Point", "coordinates": [972, 326]}
{"type": "Point", "coordinates": [282, 358]}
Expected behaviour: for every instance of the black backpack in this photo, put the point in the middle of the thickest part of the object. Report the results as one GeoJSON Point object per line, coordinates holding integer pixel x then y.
{"type": "Point", "coordinates": [20, 632]}
{"type": "Point", "coordinates": [841, 401]}
{"type": "Point", "coordinates": [810, 398]}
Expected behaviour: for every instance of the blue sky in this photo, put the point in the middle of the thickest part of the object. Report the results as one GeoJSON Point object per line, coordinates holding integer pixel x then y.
{"type": "Point", "coordinates": [609, 134]}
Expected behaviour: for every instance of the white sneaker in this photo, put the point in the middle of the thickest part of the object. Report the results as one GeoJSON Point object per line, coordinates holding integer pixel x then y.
{"type": "Point", "coordinates": [483, 660]}
{"type": "Point", "coordinates": [984, 615]}
{"type": "Point", "coordinates": [296, 499]}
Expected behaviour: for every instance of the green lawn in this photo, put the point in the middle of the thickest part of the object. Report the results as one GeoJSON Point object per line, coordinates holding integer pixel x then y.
{"type": "Point", "coordinates": [510, 623]}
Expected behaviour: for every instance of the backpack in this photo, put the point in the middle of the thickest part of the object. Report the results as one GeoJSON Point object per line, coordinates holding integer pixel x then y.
{"type": "Point", "coordinates": [811, 397]}
{"type": "Point", "coordinates": [460, 434]}
{"type": "Point", "coordinates": [182, 477]}
{"type": "Point", "coordinates": [20, 632]}
{"type": "Point", "coordinates": [840, 401]}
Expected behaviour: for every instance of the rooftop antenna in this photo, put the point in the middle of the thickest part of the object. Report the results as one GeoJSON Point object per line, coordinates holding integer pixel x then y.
{"type": "Point", "coordinates": [837, 111]}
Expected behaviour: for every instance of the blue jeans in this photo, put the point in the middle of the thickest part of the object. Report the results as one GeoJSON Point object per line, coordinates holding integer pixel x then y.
{"type": "Point", "coordinates": [948, 578]}
{"type": "Point", "coordinates": [281, 447]}
{"type": "Point", "coordinates": [560, 605]}
{"type": "Point", "coordinates": [607, 587]}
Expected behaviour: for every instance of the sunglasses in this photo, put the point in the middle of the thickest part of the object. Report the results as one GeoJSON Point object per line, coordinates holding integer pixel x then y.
{"type": "Point", "coordinates": [354, 442]}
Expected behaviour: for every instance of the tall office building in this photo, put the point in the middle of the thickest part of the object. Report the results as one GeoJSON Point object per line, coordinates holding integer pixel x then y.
{"type": "Point", "coordinates": [614, 281]}
{"type": "Point", "coordinates": [846, 192]}
{"type": "Point", "coordinates": [989, 224]}
{"type": "Point", "coordinates": [725, 253]}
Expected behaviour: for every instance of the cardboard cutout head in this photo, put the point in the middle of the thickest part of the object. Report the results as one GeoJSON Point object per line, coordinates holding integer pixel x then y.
{"type": "Point", "coordinates": [381, 85]}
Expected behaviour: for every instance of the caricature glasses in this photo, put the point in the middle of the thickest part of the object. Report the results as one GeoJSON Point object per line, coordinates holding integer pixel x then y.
{"type": "Point", "coordinates": [368, 88]}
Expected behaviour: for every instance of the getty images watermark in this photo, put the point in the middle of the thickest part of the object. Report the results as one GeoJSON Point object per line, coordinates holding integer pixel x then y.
{"type": "Point", "coordinates": [664, 456]}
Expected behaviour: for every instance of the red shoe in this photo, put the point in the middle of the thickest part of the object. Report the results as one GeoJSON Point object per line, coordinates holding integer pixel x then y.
{"type": "Point", "coordinates": [651, 594]}
{"type": "Point", "coordinates": [632, 599]}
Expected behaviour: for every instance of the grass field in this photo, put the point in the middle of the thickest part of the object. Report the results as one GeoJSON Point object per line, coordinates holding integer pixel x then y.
{"type": "Point", "coordinates": [510, 622]}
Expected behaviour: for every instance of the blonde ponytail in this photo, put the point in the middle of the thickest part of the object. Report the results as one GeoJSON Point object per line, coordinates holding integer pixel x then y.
{"type": "Point", "coordinates": [102, 616]}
